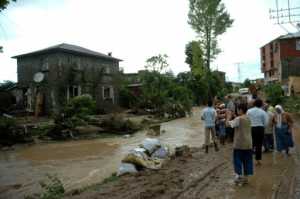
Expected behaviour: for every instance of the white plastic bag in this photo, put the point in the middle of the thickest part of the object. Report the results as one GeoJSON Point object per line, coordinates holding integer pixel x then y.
{"type": "Point", "coordinates": [151, 144]}
{"type": "Point", "coordinates": [126, 168]}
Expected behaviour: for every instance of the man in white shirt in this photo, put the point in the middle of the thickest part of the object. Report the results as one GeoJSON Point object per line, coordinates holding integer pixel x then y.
{"type": "Point", "coordinates": [259, 120]}
{"type": "Point", "coordinates": [209, 115]}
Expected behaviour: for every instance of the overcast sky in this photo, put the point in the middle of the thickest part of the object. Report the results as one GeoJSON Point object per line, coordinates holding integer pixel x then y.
{"type": "Point", "coordinates": [134, 30]}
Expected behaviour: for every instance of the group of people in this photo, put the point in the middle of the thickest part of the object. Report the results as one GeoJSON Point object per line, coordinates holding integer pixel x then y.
{"type": "Point", "coordinates": [251, 126]}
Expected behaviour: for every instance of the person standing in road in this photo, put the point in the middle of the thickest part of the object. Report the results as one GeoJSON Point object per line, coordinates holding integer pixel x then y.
{"type": "Point", "coordinates": [242, 145]}
{"type": "Point", "coordinates": [259, 120]}
{"type": "Point", "coordinates": [269, 130]}
{"type": "Point", "coordinates": [209, 115]}
{"type": "Point", "coordinates": [283, 130]}
{"type": "Point", "coordinates": [220, 122]}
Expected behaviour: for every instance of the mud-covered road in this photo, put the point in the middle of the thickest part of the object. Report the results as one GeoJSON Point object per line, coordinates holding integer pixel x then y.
{"type": "Point", "coordinates": [197, 175]}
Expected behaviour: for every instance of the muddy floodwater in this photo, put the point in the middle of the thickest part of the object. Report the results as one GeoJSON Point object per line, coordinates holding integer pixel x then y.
{"type": "Point", "coordinates": [83, 162]}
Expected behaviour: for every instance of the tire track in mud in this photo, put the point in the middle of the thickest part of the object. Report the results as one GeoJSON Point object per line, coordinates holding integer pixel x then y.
{"type": "Point", "coordinates": [201, 183]}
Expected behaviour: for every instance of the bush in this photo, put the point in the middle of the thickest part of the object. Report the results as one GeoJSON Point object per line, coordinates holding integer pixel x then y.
{"type": "Point", "coordinates": [11, 134]}
{"type": "Point", "coordinates": [52, 189]}
{"type": "Point", "coordinates": [127, 98]}
{"type": "Point", "coordinates": [118, 124]}
{"type": "Point", "coordinates": [274, 93]}
{"type": "Point", "coordinates": [74, 114]}
{"type": "Point", "coordinates": [162, 93]}
{"type": "Point", "coordinates": [80, 106]}
{"type": "Point", "coordinates": [292, 104]}
{"type": "Point", "coordinates": [6, 124]}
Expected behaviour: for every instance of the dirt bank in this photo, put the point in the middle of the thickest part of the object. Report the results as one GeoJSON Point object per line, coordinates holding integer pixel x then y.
{"type": "Point", "coordinates": [196, 175]}
{"type": "Point", "coordinates": [199, 175]}
{"type": "Point", "coordinates": [80, 163]}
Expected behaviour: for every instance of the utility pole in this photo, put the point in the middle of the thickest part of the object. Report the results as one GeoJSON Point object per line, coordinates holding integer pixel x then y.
{"type": "Point", "coordinates": [238, 64]}
{"type": "Point", "coordinates": [283, 16]}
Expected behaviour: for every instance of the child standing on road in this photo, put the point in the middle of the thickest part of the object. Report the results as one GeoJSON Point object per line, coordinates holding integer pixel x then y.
{"type": "Point", "coordinates": [209, 116]}
{"type": "Point", "coordinates": [242, 145]}
{"type": "Point", "coordinates": [221, 118]}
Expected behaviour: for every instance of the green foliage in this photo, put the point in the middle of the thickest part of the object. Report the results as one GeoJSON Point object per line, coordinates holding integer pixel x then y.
{"type": "Point", "coordinates": [52, 188]}
{"type": "Point", "coordinates": [5, 85]}
{"type": "Point", "coordinates": [4, 4]}
{"type": "Point", "coordinates": [74, 114]}
{"type": "Point", "coordinates": [246, 83]}
{"type": "Point", "coordinates": [163, 92]}
{"type": "Point", "coordinates": [80, 106]}
{"type": "Point", "coordinates": [274, 93]}
{"type": "Point", "coordinates": [157, 63]}
{"type": "Point", "coordinates": [194, 57]}
{"type": "Point", "coordinates": [127, 98]}
{"type": "Point", "coordinates": [291, 104]}
{"type": "Point", "coordinates": [117, 124]}
{"type": "Point", "coordinates": [209, 19]}
{"type": "Point", "coordinates": [111, 178]}
{"type": "Point", "coordinates": [6, 124]}
{"type": "Point", "coordinates": [11, 133]}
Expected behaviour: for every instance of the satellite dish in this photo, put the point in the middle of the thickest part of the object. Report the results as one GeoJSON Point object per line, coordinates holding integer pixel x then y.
{"type": "Point", "coordinates": [38, 77]}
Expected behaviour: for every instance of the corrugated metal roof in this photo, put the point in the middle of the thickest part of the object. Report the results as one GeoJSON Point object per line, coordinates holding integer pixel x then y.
{"type": "Point", "coordinates": [287, 36]}
{"type": "Point", "coordinates": [290, 36]}
{"type": "Point", "coordinates": [70, 49]}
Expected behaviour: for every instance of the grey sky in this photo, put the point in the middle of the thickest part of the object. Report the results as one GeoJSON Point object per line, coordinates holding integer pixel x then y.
{"type": "Point", "coordinates": [133, 30]}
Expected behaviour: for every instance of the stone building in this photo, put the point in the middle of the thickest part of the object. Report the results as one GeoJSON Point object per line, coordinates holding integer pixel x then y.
{"type": "Point", "coordinates": [65, 71]}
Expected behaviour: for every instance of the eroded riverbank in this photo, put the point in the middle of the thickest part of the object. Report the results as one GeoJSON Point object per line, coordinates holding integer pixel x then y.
{"type": "Point", "coordinates": [84, 162]}
{"type": "Point", "coordinates": [81, 163]}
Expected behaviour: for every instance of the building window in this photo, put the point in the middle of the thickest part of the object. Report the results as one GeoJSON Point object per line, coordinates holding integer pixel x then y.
{"type": "Point", "coordinates": [275, 47]}
{"type": "Point", "coordinates": [298, 44]}
{"type": "Point", "coordinates": [108, 93]}
{"type": "Point", "coordinates": [272, 64]}
{"type": "Point", "coordinates": [73, 91]}
{"type": "Point", "coordinates": [45, 65]}
{"type": "Point", "coordinates": [107, 70]}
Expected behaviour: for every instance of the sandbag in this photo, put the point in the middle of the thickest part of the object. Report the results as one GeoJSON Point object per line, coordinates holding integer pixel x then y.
{"type": "Point", "coordinates": [126, 168]}
{"type": "Point", "coordinates": [139, 158]}
{"type": "Point", "coordinates": [151, 144]}
{"type": "Point", "coordinates": [161, 153]}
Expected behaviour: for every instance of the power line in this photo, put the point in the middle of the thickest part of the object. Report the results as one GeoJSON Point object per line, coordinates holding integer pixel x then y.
{"type": "Point", "coordinates": [283, 16]}
{"type": "Point", "coordinates": [238, 64]}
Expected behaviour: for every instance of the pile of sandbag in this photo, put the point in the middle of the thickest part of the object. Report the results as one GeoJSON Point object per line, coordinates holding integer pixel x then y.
{"type": "Point", "coordinates": [150, 154]}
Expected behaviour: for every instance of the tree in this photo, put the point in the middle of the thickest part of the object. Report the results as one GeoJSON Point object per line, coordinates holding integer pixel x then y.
{"type": "Point", "coordinates": [194, 57]}
{"type": "Point", "coordinates": [4, 4]}
{"type": "Point", "coordinates": [157, 63]}
{"type": "Point", "coordinates": [209, 19]}
{"type": "Point", "coordinates": [247, 83]}
{"type": "Point", "coordinates": [7, 84]}
{"type": "Point", "coordinates": [274, 93]}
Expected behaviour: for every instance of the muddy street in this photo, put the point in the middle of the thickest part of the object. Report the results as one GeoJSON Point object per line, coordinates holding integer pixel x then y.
{"type": "Point", "coordinates": [85, 162]}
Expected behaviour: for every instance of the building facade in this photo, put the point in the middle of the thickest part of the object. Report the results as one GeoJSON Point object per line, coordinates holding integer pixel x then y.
{"type": "Point", "coordinates": [280, 58]}
{"type": "Point", "coordinates": [67, 71]}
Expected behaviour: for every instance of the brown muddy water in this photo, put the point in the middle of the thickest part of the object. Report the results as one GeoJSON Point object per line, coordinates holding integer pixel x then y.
{"type": "Point", "coordinates": [84, 162]}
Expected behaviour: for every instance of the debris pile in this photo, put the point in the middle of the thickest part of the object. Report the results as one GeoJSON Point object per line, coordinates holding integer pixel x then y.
{"type": "Point", "coordinates": [151, 154]}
